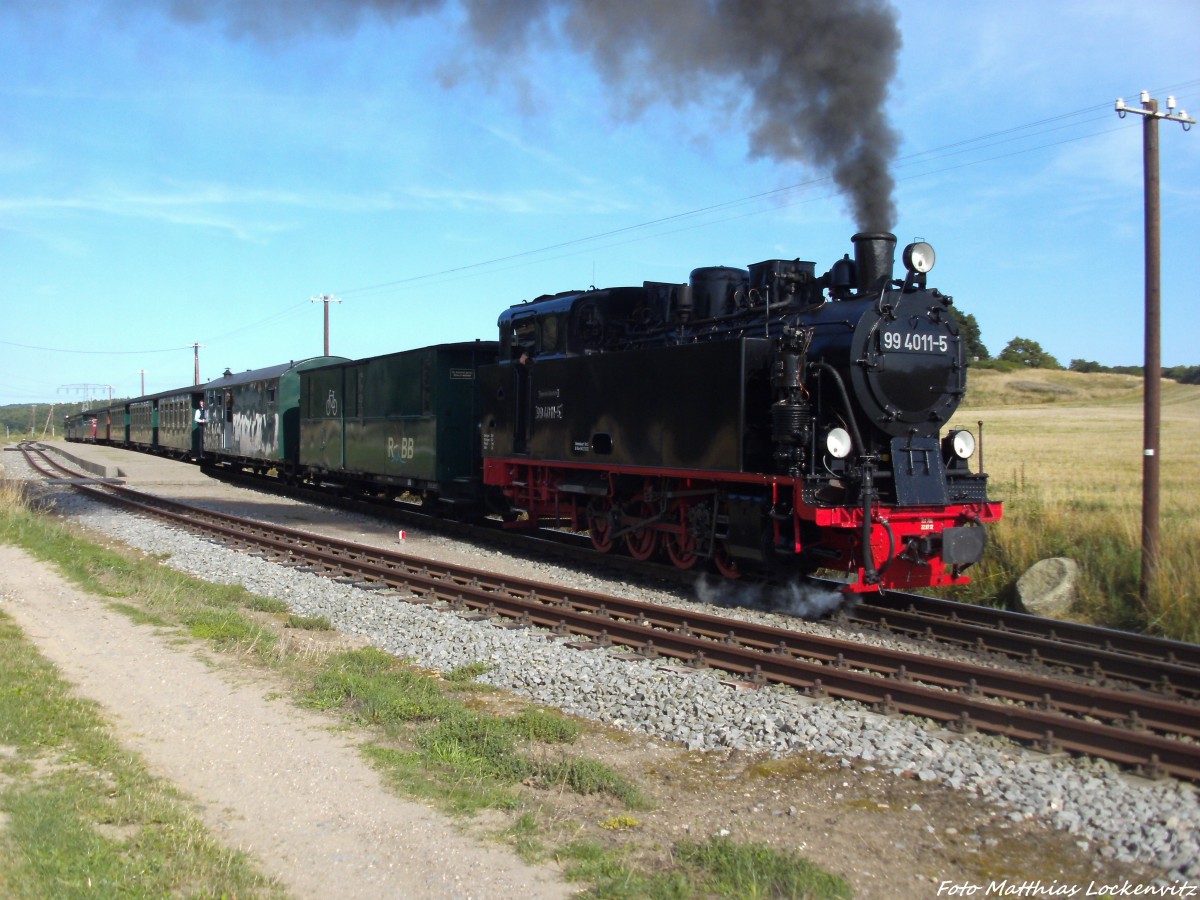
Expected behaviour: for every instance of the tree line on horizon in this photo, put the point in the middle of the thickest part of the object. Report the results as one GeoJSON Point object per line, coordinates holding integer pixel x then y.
{"type": "Point", "coordinates": [22, 420]}
{"type": "Point", "coordinates": [1027, 353]}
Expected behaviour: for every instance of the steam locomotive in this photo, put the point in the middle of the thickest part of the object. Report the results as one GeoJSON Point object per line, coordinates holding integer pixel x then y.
{"type": "Point", "coordinates": [765, 418]}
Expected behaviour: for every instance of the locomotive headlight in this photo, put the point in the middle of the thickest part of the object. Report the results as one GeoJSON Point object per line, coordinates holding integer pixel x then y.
{"type": "Point", "coordinates": [963, 444]}
{"type": "Point", "coordinates": [837, 442]}
{"type": "Point", "coordinates": [919, 257]}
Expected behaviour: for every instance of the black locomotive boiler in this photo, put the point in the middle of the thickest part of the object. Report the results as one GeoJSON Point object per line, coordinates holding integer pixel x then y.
{"type": "Point", "coordinates": [766, 416]}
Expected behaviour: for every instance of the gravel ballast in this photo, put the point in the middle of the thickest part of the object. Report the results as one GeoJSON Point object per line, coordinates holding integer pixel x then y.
{"type": "Point", "coordinates": [1122, 817]}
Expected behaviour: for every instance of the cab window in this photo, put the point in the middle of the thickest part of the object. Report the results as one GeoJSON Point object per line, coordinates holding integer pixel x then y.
{"type": "Point", "coordinates": [525, 336]}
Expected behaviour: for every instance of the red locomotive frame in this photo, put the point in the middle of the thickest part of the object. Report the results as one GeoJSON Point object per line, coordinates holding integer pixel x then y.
{"type": "Point", "coordinates": [658, 515]}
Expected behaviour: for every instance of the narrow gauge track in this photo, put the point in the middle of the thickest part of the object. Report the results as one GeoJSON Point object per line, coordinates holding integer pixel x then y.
{"type": "Point", "coordinates": [1155, 735]}
{"type": "Point", "coordinates": [1099, 655]}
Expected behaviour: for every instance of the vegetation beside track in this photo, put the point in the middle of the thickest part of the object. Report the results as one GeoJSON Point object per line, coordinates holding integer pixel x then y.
{"type": "Point", "coordinates": [440, 738]}
{"type": "Point", "coordinates": [1064, 450]}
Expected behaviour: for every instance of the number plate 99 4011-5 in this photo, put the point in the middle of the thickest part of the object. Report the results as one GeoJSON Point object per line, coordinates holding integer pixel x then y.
{"type": "Point", "coordinates": [914, 342]}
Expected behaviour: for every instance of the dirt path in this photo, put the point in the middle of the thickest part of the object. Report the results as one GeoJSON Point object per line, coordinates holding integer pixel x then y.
{"type": "Point", "coordinates": [268, 778]}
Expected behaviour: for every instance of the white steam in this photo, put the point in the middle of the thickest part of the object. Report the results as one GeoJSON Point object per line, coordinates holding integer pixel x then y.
{"type": "Point", "coordinates": [796, 598]}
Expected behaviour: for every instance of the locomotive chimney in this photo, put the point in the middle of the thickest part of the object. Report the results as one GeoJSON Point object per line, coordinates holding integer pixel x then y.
{"type": "Point", "coordinates": [874, 256]}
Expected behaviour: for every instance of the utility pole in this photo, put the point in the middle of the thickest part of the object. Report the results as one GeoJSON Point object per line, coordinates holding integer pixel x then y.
{"type": "Point", "coordinates": [1152, 394]}
{"type": "Point", "coordinates": [326, 299]}
{"type": "Point", "coordinates": [196, 348]}
{"type": "Point", "coordinates": [142, 372]}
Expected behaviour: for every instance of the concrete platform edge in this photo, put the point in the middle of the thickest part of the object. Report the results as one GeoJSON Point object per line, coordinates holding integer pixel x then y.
{"type": "Point", "coordinates": [98, 469]}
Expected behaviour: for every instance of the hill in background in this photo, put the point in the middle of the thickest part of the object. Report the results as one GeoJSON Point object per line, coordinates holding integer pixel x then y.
{"type": "Point", "coordinates": [988, 388]}
{"type": "Point", "coordinates": [25, 420]}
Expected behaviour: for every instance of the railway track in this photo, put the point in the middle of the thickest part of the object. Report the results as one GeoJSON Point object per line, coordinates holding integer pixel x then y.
{"type": "Point", "coordinates": [1102, 655]}
{"type": "Point", "coordinates": [1155, 733]}
{"type": "Point", "coordinates": [1098, 655]}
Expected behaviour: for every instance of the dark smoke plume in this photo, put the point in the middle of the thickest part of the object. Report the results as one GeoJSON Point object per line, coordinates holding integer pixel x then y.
{"type": "Point", "coordinates": [807, 79]}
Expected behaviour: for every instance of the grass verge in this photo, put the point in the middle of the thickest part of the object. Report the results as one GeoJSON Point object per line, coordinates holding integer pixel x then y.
{"type": "Point", "coordinates": [717, 867]}
{"type": "Point", "coordinates": [468, 759]}
{"type": "Point", "coordinates": [82, 817]}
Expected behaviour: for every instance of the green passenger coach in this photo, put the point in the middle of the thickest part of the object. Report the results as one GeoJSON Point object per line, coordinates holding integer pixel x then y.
{"type": "Point", "coordinates": [252, 419]}
{"type": "Point", "coordinates": [400, 423]}
{"type": "Point", "coordinates": [164, 422]}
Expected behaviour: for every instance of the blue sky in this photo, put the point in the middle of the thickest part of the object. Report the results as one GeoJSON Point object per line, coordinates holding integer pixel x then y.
{"type": "Point", "coordinates": [167, 180]}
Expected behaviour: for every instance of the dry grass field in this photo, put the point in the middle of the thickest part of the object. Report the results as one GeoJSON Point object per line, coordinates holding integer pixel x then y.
{"type": "Point", "coordinates": [1064, 451]}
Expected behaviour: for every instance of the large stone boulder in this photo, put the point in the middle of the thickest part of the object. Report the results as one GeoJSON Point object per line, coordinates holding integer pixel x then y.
{"type": "Point", "coordinates": [1048, 587]}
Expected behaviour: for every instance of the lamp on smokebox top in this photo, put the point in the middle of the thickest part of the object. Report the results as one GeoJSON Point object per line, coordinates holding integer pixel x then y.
{"type": "Point", "coordinates": [919, 257]}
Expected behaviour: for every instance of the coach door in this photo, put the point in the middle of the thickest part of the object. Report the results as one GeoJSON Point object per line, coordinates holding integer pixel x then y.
{"type": "Point", "coordinates": [199, 423]}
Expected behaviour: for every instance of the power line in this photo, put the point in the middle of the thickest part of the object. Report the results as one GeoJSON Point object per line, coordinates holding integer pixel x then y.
{"type": "Point", "coordinates": [984, 141]}
{"type": "Point", "coordinates": [94, 352]}
{"type": "Point", "coordinates": [227, 334]}
{"type": "Point", "coordinates": [271, 318]}
{"type": "Point", "coordinates": [460, 271]}
{"type": "Point", "coordinates": [594, 237]}
{"type": "Point", "coordinates": [1105, 108]}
